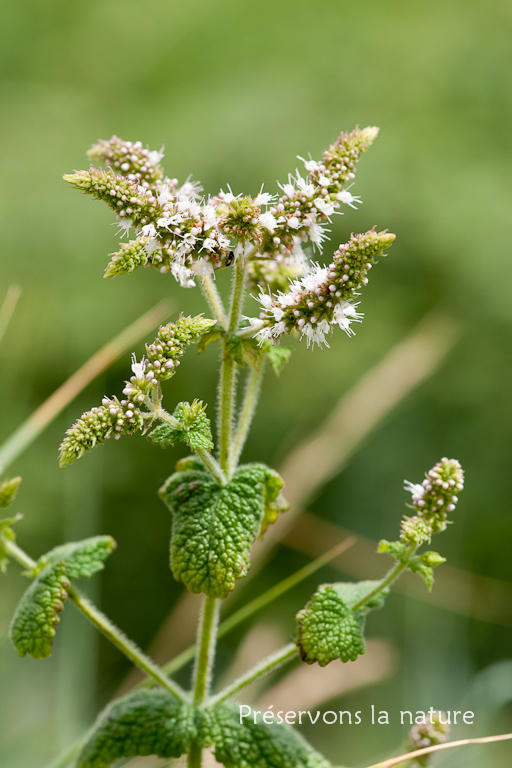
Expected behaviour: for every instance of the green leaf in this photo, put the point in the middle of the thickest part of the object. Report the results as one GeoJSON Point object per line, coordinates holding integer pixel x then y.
{"type": "Point", "coordinates": [6, 533]}
{"type": "Point", "coordinates": [275, 503]}
{"type": "Point", "coordinates": [245, 351]}
{"type": "Point", "coordinates": [8, 490]}
{"type": "Point", "coordinates": [147, 723]}
{"type": "Point", "coordinates": [278, 356]}
{"type": "Point", "coordinates": [214, 527]}
{"type": "Point", "coordinates": [196, 428]}
{"type": "Point", "coordinates": [424, 566]}
{"type": "Point", "coordinates": [214, 334]}
{"type": "Point", "coordinates": [33, 626]}
{"type": "Point", "coordinates": [165, 436]}
{"type": "Point", "coordinates": [139, 724]}
{"type": "Point", "coordinates": [260, 745]}
{"type": "Point", "coordinates": [82, 558]}
{"type": "Point", "coordinates": [328, 628]}
{"type": "Point", "coordinates": [396, 549]}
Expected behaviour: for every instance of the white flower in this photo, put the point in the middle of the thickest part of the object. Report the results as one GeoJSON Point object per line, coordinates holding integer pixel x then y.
{"type": "Point", "coordinates": [293, 222]}
{"type": "Point", "coordinates": [316, 333]}
{"type": "Point", "coordinates": [315, 278]}
{"type": "Point", "coordinates": [156, 155]}
{"type": "Point", "coordinates": [344, 314]}
{"type": "Point", "coordinates": [268, 221]}
{"type": "Point", "coordinates": [317, 233]}
{"type": "Point", "coordinates": [138, 368]}
{"type": "Point", "coordinates": [210, 217]}
{"type": "Point", "coordinates": [348, 198]}
{"type": "Point", "coordinates": [324, 181]}
{"type": "Point", "coordinates": [265, 299]}
{"type": "Point", "coordinates": [305, 187]}
{"type": "Point", "coordinates": [149, 230]}
{"type": "Point", "coordinates": [264, 198]}
{"type": "Point", "coordinates": [209, 243]}
{"type": "Point", "coordinates": [151, 246]}
{"type": "Point", "coordinates": [202, 267]}
{"type": "Point", "coordinates": [309, 165]}
{"type": "Point", "coordinates": [183, 275]}
{"type": "Point", "coordinates": [416, 489]}
{"type": "Point", "coordinates": [324, 206]}
{"type": "Point", "coordinates": [265, 335]}
{"type": "Point", "coordinates": [254, 322]}
{"type": "Point", "coordinates": [124, 226]}
{"type": "Point", "coordinates": [288, 189]}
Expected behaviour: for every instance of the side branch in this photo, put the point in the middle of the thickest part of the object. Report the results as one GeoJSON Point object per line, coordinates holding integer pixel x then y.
{"type": "Point", "coordinates": [105, 626]}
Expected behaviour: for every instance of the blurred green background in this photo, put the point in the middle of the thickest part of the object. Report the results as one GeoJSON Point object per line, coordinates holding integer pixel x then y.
{"type": "Point", "coordinates": [235, 91]}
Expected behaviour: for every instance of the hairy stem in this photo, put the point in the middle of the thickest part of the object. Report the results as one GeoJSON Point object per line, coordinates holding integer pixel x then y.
{"type": "Point", "coordinates": [251, 395]}
{"type": "Point", "coordinates": [393, 574]}
{"type": "Point", "coordinates": [207, 640]}
{"type": "Point", "coordinates": [105, 626]}
{"type": "Point", "coordinates": [214, 300]}
{"type": "Point", "coordinates": [206, 648]}
{"type": "Point", "coordinates": [229, 367]}
{"type": "Point", "coordinates": [285, 654]}
{"type": "Point", "coordinates": [247, 610]}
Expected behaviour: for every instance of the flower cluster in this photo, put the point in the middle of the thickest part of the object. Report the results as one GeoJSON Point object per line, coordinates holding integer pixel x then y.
{"type": "Point", "coordinates": [274, 275]}
{"type": "Point", "coordinates": [113, 418]}
{"type": "Point", "coordinates": [427, 735]}
{"type": "Point", "coordinates": [176, 232]}
{"type": "Point", "coordinates": [436, 495]}
{"type": "Point", "coordinates": [130, 159]}
{"type": "Point", "coordinates": [324, 296]}
{"type": "Point", "coordinates": [307, 204]}
{"type": "Point", "coordinates": [124, 417]}
{"type": "Point", "coordinates": [163, 355]}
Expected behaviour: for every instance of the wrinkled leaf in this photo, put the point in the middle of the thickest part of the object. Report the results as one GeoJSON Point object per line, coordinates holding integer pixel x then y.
{"type": "Point", "coordinates": [33, 626]}
{"type": "Point", "coordinates": [250, 745]}
{"type": "Point", "coordinates": [214, 527]}
{"type": "Point", "coordinates": [139, 724]}
{"type": "Point", "coordinates": [196, 429]}
{"type": "Point", "coordinates": [328, 628]}
{"type": "Point", "coordinates": [82, 558]}
{"type": "Point", "coordinates": [147, 723]}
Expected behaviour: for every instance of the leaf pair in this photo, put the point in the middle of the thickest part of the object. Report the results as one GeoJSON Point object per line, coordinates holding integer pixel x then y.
{"type": "Point", "coordinates": [329, 627]}
{"type": "Point", "coordinates": [154, 723]}
{"type": "Point", "coordinates": [214, 527]}
{"type": "Point", "coordinates": [33, 626]}
{"type": "Point", "coordinates": [195, 429]}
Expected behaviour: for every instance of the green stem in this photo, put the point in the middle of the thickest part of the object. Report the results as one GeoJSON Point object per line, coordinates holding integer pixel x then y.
{"type": "Point", "coordinates": [285, 654]}
{"type": "Point", "coordinates": [229, 367]}
{"type": "Point", "coordinates": [105, 626]}
{"type": "Point", "coordinates": [258, 603]}
{"type": "Point", "coordinates": [206, 648]}
{"type": "Point", "coordinates": [393, 574]}
{"type": "Point", "coordinates": [214, 300]}
{"type": "Point", "coordinates": [251, 395]}
{"type": "Point", "coordinates": [207, 639]}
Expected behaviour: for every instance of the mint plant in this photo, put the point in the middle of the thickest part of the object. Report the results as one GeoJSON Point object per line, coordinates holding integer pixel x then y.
{"type": "Point", "coordinates": [218, 506]}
